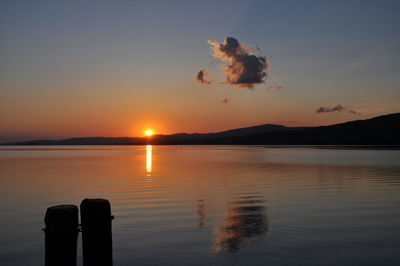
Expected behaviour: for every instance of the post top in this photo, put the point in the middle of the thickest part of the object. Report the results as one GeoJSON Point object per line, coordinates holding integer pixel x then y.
{"type": "Point", "coordinates": [63, 207]}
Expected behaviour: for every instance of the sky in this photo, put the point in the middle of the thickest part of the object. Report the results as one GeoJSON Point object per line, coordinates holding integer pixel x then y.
{"type": "Point", "coordinates": [116, 68]}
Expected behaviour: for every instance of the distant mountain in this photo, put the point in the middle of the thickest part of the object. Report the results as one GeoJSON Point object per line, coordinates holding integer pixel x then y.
{"type": "Point", "coordinates": [382, 130]}
{"type": "Point", "coordinates": [238, 132]}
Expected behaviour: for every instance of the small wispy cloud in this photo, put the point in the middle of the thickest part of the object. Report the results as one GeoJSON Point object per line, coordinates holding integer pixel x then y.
{"type": "Point", "coordinates": [350, 66]}
{"type": "Point", "coordinates": [225, 101]}
{"type": "Point", "coordinates": [201, 76]}
{"type": "Point", "coordinates": [336, 108]}
{"type": "Point", "coordinates": [276, 87]}
{"type": "Point", "coordinates": [354, 112]}
{"type": "Point", "coordinates": [324, 109]}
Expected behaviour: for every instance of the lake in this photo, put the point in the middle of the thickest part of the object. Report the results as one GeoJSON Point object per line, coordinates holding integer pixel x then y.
{"type": "Point", "coordinates": [210, 205]}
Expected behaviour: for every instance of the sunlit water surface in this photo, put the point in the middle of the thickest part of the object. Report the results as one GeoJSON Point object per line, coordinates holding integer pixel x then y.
{"type": "Point", "coordinates": [215, 205]}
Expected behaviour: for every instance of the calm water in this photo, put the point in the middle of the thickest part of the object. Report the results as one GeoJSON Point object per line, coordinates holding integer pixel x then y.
{"type": "Point", "coordinates": [218, 205]}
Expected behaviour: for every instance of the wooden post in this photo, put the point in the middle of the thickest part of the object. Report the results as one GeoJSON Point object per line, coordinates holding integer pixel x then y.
{"type": "Point", "coordinates": [61, 234]}
{"type": "Point", "coordinates": [96, 232]}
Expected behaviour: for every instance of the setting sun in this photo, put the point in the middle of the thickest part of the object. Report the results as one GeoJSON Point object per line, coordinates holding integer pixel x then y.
{"type": "Point", "coordinates": [149, 132]}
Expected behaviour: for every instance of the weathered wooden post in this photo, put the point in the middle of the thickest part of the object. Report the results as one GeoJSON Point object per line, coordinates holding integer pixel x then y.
{"type": "Point", "coordinates": [96, 232]}
{"type": "Point", "coordinates": [61, 235]}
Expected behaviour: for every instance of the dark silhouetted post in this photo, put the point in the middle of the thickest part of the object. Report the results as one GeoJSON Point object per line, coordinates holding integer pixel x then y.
{"type": "Point", "coordinates": [96, 232]}
{"type": "Point", "coordinates": [61, 235]}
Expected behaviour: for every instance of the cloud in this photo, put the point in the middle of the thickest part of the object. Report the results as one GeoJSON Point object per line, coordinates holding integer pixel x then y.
{"type": "Point", "coordinates": [338, 108]}
{"type": "Point", "coordinates": [244, 68]}
{"type": "Point", "coordinates": [323, 109]}
{"type": "Point", "coordinates": [277, 87]}
{"type": "Point", "coordinates": [225, 101]}
{"type": "Point", "coordinates": [201, 76]}
{"type": "Point", "coordinates": [354, 112]}
{"type": "Point", "coordinates": [350, 66]}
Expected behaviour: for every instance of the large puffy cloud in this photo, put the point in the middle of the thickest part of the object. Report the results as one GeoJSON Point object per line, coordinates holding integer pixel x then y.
{"type": "Point", "coordinates": [244, 68]}
{"type": "Point", "coordinates": [337, 108]}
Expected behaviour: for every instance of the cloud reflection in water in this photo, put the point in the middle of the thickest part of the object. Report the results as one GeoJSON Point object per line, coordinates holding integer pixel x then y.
{"type": "Point", "coordinates": [246, 219]}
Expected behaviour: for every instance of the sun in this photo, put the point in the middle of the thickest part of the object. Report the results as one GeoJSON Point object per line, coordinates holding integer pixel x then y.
{"type": "Point", "coordinates": [149, 132]}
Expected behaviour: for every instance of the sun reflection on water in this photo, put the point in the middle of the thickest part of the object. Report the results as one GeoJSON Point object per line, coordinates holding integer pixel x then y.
{"type": "Point", "coordinates": [149, 151]}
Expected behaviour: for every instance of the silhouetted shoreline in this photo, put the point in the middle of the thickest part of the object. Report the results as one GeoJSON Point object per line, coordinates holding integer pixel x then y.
{"type": "Point", "coordinates": [378, 132]}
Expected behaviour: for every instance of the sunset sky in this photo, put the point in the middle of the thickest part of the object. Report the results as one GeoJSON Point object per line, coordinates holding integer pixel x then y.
{"type": "Point", "coordinates": [116, 68]}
